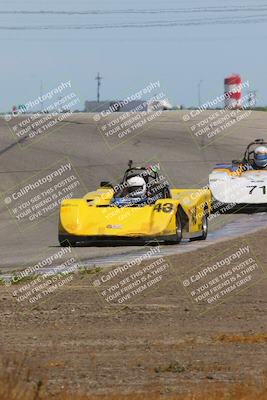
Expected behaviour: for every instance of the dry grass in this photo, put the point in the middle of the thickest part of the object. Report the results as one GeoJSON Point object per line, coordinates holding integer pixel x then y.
{"type": "Point", "coordinates": [249, 339]}
{"type": "Point", "coordinates": [237, 393]}
{"type": "Point", "coordinates": [16, 384]}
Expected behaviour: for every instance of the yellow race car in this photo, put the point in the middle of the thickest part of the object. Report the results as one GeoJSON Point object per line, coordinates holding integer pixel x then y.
{"type": "Point", "coordinates": [139, 209]}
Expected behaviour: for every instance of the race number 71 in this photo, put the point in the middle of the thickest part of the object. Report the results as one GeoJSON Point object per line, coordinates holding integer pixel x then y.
{"type": "Point", "coordinates": [252, 188]}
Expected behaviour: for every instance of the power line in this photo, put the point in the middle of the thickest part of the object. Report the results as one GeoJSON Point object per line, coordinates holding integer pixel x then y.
{"type": "Point", "coordinates": [211, 9]}
{"type": "Point", "coordinates": [148, 24]}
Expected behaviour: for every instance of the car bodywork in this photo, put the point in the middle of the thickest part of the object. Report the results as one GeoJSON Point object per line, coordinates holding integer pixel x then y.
{"type": "Point", "coordinates": [238, 186]}
{"type": "Point", "coordinates": [95, 217]}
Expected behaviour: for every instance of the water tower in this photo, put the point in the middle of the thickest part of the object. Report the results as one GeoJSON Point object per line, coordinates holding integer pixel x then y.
{"type": "Point", "coordinates": [233, 92]}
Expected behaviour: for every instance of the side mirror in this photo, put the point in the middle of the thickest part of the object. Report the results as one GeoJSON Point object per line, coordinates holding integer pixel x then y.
{"type": "Point", "coordinates": [106, 184]}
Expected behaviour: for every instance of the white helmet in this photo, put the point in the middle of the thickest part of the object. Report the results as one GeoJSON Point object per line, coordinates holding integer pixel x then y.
{"type": "Point", "coordinates": [260, 156]}
{"type": "Point", "coordinates": [136, 186]}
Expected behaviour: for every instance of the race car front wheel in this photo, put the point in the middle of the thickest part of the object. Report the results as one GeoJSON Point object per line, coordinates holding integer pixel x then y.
{"type": "Point", "coordinates": [177, 237]}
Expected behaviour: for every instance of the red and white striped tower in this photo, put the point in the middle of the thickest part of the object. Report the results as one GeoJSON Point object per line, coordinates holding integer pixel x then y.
{"type": "Point", "coordinates": [233, 91]}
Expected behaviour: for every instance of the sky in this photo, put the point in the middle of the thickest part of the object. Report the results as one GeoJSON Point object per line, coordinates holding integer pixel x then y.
{"type": "Point", "coordinates": [178, 43]}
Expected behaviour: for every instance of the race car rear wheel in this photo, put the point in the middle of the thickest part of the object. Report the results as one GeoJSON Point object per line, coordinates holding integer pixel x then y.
{"type": "Point", "coordinates": [204, 227]}
{"type": "Point", "coordinates": [65, 242]}
{"type": "Point", "coordinates": [204, 234]}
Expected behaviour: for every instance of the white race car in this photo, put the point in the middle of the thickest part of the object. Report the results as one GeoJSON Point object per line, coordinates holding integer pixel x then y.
{"type": "Point", "coordinates": [241, 186]}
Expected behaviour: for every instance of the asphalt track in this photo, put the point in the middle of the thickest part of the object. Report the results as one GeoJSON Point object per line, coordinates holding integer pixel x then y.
{"type": "Point", "coordinates": [186, 160]}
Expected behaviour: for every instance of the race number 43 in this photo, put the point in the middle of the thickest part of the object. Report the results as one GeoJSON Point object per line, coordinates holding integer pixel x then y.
{"type": "Point", "coordinates": [166, 207]}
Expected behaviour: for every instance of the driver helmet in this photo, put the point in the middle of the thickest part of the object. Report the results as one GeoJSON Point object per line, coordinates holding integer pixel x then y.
{"type": "Point", "coordinates": [136, 186]}
{"type": "Point", "coordinates": [260, 156]}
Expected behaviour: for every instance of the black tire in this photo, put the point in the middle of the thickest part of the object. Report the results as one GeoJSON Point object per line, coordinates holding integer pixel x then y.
{"type": "Point", "coordinates": [204, 229]}
{"type": "Point", "coordinates": [179, 234]}
{"type": "Point", "coordinates": [64, 242]}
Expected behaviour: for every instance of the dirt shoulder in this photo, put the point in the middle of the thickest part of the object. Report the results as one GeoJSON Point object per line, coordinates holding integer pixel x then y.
{"type": "Point", "coordinates": [161, 341]}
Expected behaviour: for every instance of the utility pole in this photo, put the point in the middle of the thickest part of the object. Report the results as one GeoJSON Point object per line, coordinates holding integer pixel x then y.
{"type": "Point", "coordinates": [252, 98]}
{"type": "Point", "coordinates": [99, 79]}
{"type": "Point", "coordinates": [199, 93]}
{"type": "Point", "coordinates": [41, 95]}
